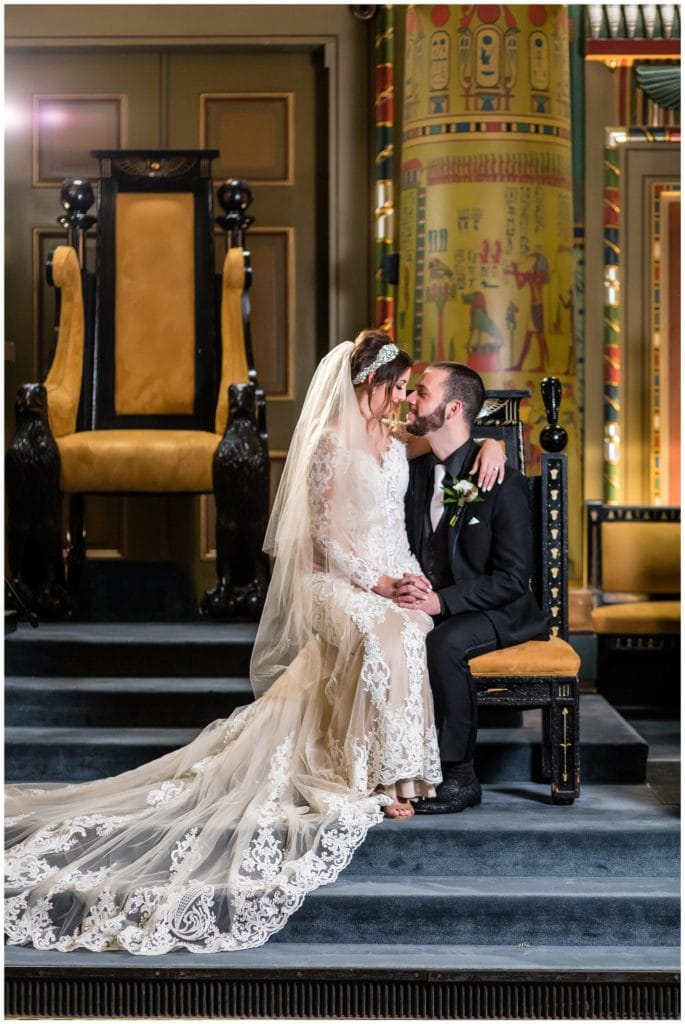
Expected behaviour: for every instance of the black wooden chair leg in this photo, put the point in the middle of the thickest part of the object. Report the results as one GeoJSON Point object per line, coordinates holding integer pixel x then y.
{"type": "Point", "coordinates": [241, 488]}
{"type": "Point", "coordinates": [564, 747]}
{"type": "Point", "coordinates": [34, 502]}
{"type": "Point", "coordinates": [76, 541]}
{"type": "Point", "coordinates": [546, 750]}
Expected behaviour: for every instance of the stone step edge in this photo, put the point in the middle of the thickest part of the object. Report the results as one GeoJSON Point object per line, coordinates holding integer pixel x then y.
{"type": "Point", "coordinates": [127, 634]}
{"type": "Point", "coordinates": [524, 735]}
{"type": "Point", "coordinates": [521, 887]}
{"type": "Point", "coordinates": [305, 957]}
{"type": "Point", "coordinates": [497, 818]}
{"type": "Point", "coordinates": [118, 685]}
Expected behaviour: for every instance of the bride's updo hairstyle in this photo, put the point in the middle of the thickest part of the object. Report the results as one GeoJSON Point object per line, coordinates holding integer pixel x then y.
{"type": "Point", "coordinates": [367, 350]}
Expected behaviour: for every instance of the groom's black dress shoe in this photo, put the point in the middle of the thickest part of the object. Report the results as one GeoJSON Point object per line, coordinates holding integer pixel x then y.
{"type": "Point", "coordinates": [458, 790]}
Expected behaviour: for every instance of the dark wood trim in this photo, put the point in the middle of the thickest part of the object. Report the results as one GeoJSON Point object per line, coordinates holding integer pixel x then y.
{"type": "Point", "coordinates": [653, 49]}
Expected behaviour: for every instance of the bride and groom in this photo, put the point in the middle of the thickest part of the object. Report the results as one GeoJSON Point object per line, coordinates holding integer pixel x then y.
{"type": "Point", "coordinates": [214, 846]}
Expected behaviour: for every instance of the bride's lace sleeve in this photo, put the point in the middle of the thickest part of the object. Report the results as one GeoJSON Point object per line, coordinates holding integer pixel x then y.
{"type": "Point", "coordinates": [333, 548]}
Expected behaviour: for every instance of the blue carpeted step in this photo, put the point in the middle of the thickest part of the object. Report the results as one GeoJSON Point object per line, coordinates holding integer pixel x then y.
{"type": "Point", "coordinates": [614, 831]}
{"type": "Point", "coordinates": [111, 702]}
{"type": "Point", "coordinates": [610, 831]}
{"type": "Point", "coordinates": [536, 910]}
{"type": "Point", "coordinates": [131, 649]}
{"type": "Point", "coordinates": [611, 750]}
{"type": "Point", "coordinates": [62, 754]}
{"type": "Point", "coordinates": [167, 702]}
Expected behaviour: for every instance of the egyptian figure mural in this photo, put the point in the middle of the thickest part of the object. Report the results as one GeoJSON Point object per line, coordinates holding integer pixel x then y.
{"type": "Point", "coordinates": [486, 219]}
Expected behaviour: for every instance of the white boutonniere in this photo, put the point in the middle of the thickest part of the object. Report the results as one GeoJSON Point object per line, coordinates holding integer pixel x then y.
{"type": "Point", "coordinates": [460, 493]}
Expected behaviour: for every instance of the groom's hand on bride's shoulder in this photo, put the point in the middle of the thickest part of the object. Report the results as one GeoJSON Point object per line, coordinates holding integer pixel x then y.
{"type": "Point", "coordinates": [413, 591]}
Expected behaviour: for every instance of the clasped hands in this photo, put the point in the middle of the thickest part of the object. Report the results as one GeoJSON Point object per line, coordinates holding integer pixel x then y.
{"type": "Point", "coordinates": [410, 591]}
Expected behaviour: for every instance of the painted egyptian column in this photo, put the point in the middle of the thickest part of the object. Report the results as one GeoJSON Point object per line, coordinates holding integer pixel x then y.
{"type": "Point", "coordinates": [486, 215]}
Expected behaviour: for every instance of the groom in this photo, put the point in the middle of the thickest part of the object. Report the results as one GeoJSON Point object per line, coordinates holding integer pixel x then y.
{"type": "Point", "coordinates": [477, 556]}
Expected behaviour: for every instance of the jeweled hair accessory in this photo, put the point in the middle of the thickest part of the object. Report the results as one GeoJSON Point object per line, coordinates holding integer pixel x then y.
{"type": "Point", "coordinates": [385, 355]}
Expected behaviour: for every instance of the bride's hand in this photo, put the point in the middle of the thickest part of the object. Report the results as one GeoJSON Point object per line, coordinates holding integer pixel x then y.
{"type": "Point", "coordinates": [489, 464]}
{"type": "Point", "coordinates": [386, 586]}
{"type": "Point", "coordinates": [415, 592]}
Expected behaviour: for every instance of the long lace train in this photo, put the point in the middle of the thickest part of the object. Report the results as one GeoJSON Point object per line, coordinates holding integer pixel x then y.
{"type": "Point", "coordinates": [214, 846]}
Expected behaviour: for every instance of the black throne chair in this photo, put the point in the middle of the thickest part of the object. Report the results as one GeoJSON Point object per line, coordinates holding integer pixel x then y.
{"type": "Point", "coordinates": [539, 674]}
{"type": "Point", "coordinates": [136, 400]}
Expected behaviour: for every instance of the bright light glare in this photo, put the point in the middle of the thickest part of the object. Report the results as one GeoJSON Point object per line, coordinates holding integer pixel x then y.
{"type": "Point", "coordinates": [14, 117]}
{"type": "Point", "coordinates": [53, 116]}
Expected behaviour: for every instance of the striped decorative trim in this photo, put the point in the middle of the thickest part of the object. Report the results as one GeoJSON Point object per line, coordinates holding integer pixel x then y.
{"type": "Point", "coordinates": [658, 364]}
{"type": "Point", "coordinates": [486, 127]}
{"type": "Point", "coordinates": [612, 327]}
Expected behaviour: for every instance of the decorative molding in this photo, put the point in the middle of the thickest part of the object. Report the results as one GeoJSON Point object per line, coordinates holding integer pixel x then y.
{"type": "Point", "coordinates": [632, 28]}
{"type": "Point", "coordinates": [661, 83]}
{"type": "Point", "coordinates": [615, 302]}
{"type": "Point", "coordinates": [288, 234]}
{"type": "Point", "coordinates": [83, 163]}
{"type": "Point", "coordinates": [659, 376]}
{"type": "Point", "coordinates": [233, 166]}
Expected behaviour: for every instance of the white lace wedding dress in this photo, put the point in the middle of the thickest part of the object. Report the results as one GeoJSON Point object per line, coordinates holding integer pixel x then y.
{"type": "Point", "coordinates": [214, 846]}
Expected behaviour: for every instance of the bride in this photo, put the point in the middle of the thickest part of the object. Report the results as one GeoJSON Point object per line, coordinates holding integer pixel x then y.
{"type": "Point", "coordinates": [214, 846]}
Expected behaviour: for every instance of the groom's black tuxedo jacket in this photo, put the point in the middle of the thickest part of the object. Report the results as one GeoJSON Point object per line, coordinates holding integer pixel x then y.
{"type": "Point", "coordinates": [489, 550]}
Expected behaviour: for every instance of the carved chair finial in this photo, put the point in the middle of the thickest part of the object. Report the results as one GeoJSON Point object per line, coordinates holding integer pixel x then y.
{"type": "Point", "coordinates": [235, 196]}
{"type": "Point", "coordinates": [76, 196]}
{"type": "Point", "coordinates": [553, 438]}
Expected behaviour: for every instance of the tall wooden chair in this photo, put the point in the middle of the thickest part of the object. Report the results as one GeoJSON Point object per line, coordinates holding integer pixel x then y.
{"type": "Point", "coordinates": [540, 673]}
{"type": "Point", "coordinates": [136, 400]}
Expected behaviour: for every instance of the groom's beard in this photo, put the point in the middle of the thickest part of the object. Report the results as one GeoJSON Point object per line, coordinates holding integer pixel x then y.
{"type": "Point", "coordinates": [422, 425]}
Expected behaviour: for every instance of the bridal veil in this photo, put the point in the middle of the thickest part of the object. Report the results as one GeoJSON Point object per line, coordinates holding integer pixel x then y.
{"type": "Point", "coordinates": [214, 846]}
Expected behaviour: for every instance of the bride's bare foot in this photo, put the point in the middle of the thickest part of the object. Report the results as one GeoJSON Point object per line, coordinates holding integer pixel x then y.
{"type": "Point", "coordinates": [399, 809]}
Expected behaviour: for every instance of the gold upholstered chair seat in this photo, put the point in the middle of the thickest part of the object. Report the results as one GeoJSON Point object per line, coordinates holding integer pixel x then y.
{"type": "Point", "coordinates": [144, 461]}
{"type": "Point", "coordinates": [637, 617]}
{"type": "Point", "coordinates": [553, 657]}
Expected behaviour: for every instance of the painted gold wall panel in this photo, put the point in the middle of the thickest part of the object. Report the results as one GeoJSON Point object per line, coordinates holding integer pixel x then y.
{"type": "Point", "coordinates": [254, 134]}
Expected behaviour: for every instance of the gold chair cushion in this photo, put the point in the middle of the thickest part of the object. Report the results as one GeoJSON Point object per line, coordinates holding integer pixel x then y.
{"type": "Point", "coordinates": [534, 658]}
{"type": "Point", "coordinates": [641, 558]}
{"type": "Point", "coordinates": [112, 461]}
{"type": "Point", "coordinates": [63, 382]}
{"type": "Point", "coordinates": [637, 617]}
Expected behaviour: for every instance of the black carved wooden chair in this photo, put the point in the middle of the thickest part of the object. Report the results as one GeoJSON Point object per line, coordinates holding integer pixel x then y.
{"type": "Point", "coordinates": [541, 673]}
{"type": "Point", "coordinates": [136, 400]}
{"type": "Point", "coordinates": [634, 574]}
